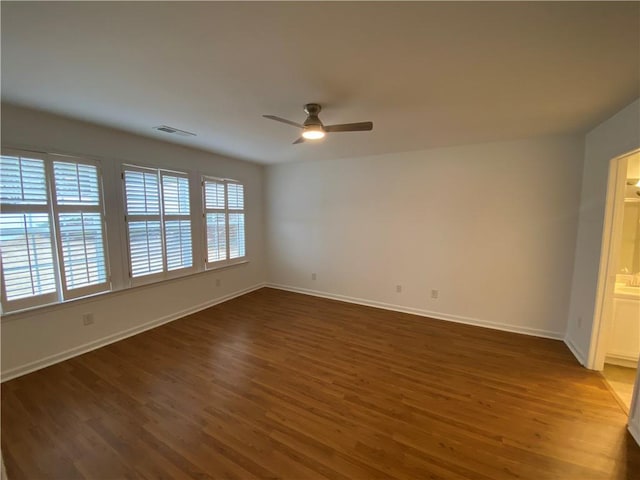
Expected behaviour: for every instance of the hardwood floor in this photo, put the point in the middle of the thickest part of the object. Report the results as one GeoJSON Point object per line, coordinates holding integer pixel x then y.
{"type": "Point", "coordinates": [282, 385]}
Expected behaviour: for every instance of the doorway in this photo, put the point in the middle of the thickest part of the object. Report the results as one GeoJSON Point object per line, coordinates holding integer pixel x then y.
{"type": "Point", "coordinates": [616, 335]}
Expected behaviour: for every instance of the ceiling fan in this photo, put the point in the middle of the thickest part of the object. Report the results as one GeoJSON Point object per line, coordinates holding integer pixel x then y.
{"type": "Point", "coordinates": [313, 129]}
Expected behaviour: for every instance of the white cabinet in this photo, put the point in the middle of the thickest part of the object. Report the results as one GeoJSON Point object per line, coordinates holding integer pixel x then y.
{"type": "Point", "coordinates": [624, 336]}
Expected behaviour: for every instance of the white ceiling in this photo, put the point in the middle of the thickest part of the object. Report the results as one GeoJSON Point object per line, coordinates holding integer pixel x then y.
{"type": "Point", "coordinates": [426, 74]}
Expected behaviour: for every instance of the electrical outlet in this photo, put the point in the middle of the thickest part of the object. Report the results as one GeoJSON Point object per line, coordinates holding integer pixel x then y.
{"type": "Point", "coordinates": [218, 282]}
{"type": "Point", "coordinates": [313, 276]}
{"type": "Point", "coordinates": [398, 288]}
{"type": "Point", "coordinates": [579, 322]}
{"type": "Point", "coordinates": [87, 319]}
{"type": "Point", "coordinates": [435, 293]}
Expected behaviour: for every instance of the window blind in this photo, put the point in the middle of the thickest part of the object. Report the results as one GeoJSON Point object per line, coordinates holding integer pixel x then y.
{"type": "Point", "coordinates": [82, 247]}
{"type": "Point", "coordinates": [235, 193]}
{"type": "Point", "coordinates": [28, 261]}
{"type": "Point", "coordinates": [236, 235]}
{"type": "Point", "coordinates": [76, 184]}
{"type": "Point", "coordinates": [145, 247]}
{"type": "Point", "coordinates": [80, 225]}
{"type": "Point", "coordinates": [178, 241]}
{"type": "Point", "coordinates": [158, 221]}
{"type": "Point", "coordinates": [224, 220]}
{"type": "Point", "coordinates": [51, 248]}
{"type": "Point", "coordinates": [214, 194]}
{"type": "Point", "coordinates": [142, 196]}
{"type": "Point", "coordinates": [216, 237]}
{"type": "Point", "coordinates": [177, 221]}
{"type": "Point", "coordinates": [142, 193]}
{"type": "Point", "coordinates": [27, 255]}
{"type": "Point", "coordinates": [22, 181]}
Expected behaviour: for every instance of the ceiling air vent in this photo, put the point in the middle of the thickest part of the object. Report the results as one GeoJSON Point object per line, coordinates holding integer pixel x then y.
{"type": "Point", "coordinates": [174, 131]}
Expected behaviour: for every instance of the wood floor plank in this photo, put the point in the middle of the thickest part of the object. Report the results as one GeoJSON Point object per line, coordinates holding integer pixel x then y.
{"type": "Point", "coordinates": [281, 385]}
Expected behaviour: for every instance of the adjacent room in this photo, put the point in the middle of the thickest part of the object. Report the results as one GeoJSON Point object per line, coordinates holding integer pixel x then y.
{"type": "Point", "coordinates": [622, 342]}
{"type": "Point", "coordinates": [320, 240]}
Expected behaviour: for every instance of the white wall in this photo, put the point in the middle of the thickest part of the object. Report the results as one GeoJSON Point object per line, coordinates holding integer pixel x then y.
{"type": "Point", "coordinates": [616, 136]}
{"type": "Point", "coordinates": [491, 226]}
{"type": "Point", "coordinates": [33, 339]}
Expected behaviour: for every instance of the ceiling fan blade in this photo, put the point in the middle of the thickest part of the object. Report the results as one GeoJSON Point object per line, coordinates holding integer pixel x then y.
{"type": "Point", "coordinates": [300, 140]}
{"type": "Point", "coordinates": [283, 120]}
{"type": "Point", "coordinates": [349, 127]}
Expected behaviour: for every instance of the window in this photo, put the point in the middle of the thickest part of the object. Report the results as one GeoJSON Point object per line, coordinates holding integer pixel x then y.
{"type": "Point", "coordinates": [80, 229]}
{"type": "Point", "coordinates": [158, 222]}
{"type": "Point", "coordinates": [50, 250]}
{"type": "Point", "coordinates": [53, 227]}
{"type": "Point", "coordinates": [224, 220]}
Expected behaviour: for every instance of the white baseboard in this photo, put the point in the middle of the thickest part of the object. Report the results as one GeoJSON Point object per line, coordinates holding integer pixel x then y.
{"type": "Point", "coordinates": [101, 342]}
{"type": "Point", "coordinates": [628, 361]}
{"type": "Point", "coordinates": [577, 352]}
{"type": "Point", "coordinates": [424, 313]}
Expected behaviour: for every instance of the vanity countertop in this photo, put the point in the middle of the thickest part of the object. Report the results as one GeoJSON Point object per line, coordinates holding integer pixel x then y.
{"type": "Point", "coordinates": [626, 291]}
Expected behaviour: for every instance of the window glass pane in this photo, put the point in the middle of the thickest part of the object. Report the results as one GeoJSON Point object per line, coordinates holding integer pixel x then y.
{"type": "Point", "coordinates": [145, 246]}
{"type": "Point", "coordinates": [236, 235]}
{"type": "Point", "coordinates": [178, 238]}
{"type": "Point", "coordinates": [214, 194]}
{"type": "Point", "coordinates": [142, 193]}
{"type": "Point", "coordinates": [175, 195]}
{"type": "Point", "coordinates": [82, 249]}
{"type": "Point", "coordinates": [236, 196]}
{"type": "Point", "coordinates": [216, 237]}
{"type": "Point", "coordinates": [76, 184]}
{"type": "Point", "coordinates": [22, 181]}
{"type": "Point", "coordinates": [27, 255]}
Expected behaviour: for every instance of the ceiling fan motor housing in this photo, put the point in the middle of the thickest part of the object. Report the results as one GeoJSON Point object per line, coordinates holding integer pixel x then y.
{"type": "Point", "coordinates": [312, 110]}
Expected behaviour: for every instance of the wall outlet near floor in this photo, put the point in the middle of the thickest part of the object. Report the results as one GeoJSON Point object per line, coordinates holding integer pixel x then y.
{"type": "Point", "coordinates": [218, 282]}
{"type": "Point", "coordinates": [435, 293]}
{"type": "Point", "coordinates": [399, 288]}
{"type": "Point", "coordinates": [313, 276]}
{"type": "Point", "coordinates": [87, 319]}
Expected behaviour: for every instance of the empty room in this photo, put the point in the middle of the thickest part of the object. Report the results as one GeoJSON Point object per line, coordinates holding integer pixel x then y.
{"type": "Point", "coordinates": [320, 240]}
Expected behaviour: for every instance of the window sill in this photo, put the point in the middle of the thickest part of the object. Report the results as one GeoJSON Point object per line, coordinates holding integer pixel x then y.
{"type": "Point", "coordinates": [52, 307]}
{"type": "Point", "coordinates": [225, 265]}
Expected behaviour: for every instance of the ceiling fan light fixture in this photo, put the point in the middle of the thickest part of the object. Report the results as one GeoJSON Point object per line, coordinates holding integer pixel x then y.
{"type": "Point", "coordinates": [313, 129]}
{"type": "Point", "coordinates": [313, 132]}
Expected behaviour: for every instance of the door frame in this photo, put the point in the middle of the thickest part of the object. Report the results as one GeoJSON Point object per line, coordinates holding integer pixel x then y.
{"type": "Point", "coordinates": [609, 253]}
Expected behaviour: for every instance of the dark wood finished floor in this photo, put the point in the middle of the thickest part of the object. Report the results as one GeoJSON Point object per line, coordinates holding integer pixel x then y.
{"type": "Point", "coordinates": [281, 385]}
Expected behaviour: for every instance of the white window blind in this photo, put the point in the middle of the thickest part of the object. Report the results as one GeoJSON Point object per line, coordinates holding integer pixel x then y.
{"type": "Point", "coordinates": [158, 221]}
{"type": "Point", "coordinates": [45, 261]}
{"type": "Point", "coordinates": [27, 255]}
{"type": "Point", "coordinates": [142, 196]}
{"type": "Point", "coordinates": [216, 225]}
{"type": "Point", "coordinates": [76, 184]}
{"type": "Point", "coordinates": [28, 262]}
{"type": "Point", "coordinates": [80, 221]}
{"type": "Point", "coordinates": [224, 220]}
{"type": "Point", "coordinates": [235, 205]}
{"type": "Point", "coordinates": [23, 181]}
{"type": "Point", "coordinates": [177, 221]}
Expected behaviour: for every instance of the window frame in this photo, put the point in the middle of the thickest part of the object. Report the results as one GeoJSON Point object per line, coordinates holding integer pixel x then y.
{"type": "Point", "coordinates": [61, 294]}
{"type": "Point", "coordinates": [70, 294]}
{"type": "Point", "coordinates": [165, 274]}
{"type": "Point", "coordinates": [211, 265]}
